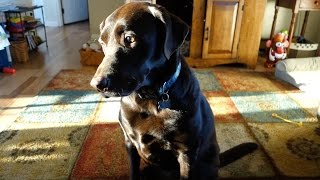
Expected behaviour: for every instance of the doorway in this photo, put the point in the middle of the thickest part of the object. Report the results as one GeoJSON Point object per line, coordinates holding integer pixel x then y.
{"type": "Point", "coordinates": [74, 11]}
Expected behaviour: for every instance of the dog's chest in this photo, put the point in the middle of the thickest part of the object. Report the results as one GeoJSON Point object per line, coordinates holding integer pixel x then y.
{"type": "Point", "coordinates": [149, 129]}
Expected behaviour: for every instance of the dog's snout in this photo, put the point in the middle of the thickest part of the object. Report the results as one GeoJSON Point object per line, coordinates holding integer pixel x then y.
{"type": "Point", "coordinates": [100, 83]}
{"type": "Point", "coordinates": [103, 84]}
{"type": "Point", "coordinates": [114, 84]}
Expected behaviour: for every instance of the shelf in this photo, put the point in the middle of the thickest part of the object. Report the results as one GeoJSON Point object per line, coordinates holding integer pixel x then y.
{"type": "Point", "coordinates": [23, 27]}
{"type": "Point", "coordinates": [39, 24]}
{"type": "Point", "coordinates": [26, 29]}
{"type": "Point", "coordinates": [22, 9]}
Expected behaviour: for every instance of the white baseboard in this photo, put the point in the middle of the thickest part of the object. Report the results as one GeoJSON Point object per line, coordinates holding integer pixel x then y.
{"type": "Point", "coordinates": [53, 24]}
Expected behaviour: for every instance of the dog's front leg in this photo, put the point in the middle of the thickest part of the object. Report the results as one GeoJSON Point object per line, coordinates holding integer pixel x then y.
{"type": "Point", "coordinates": [185, 165]}
{"type": "Point", "coordinates": [134, 160]}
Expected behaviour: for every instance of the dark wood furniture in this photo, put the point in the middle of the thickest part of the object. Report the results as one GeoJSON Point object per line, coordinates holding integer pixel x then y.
{"type": "Point", "coordinates": [226, 31]}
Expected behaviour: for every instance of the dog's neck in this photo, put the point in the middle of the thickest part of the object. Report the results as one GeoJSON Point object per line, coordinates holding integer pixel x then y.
{"type": "Point", "coordinates": [167, 85]}
{"type": "Point", "coordinates": [159, 90]}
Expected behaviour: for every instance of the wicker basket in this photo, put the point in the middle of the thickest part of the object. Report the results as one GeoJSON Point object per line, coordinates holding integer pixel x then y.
{"type": "Point", "coordinates": [19, 51]}
{"type": "Point", "coordinates": [91, 58]}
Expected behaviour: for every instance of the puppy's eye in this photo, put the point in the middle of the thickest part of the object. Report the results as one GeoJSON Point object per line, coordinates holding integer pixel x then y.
{"type": "Point", "coordinates": [129, 39]}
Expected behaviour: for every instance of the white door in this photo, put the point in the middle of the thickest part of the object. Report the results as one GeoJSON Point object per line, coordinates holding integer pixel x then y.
{"type": "Point", "coordinates": [74, 10]}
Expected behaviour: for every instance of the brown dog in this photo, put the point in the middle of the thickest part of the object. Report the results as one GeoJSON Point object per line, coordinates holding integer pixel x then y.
{"type": "Point", "coordinates": [165, 118]}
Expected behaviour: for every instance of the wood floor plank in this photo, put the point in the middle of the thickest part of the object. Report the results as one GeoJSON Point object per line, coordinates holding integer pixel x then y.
{"type": "Point", "coordinates": [64, 43]}
{"type": "Point", "coordinates": [11, 83]}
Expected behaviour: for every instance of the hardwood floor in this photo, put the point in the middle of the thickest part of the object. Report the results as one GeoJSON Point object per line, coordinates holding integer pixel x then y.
{"type": "Point", "coordinates": [62, 53]}
{"type": "Point", "coordinates": [17, 90]}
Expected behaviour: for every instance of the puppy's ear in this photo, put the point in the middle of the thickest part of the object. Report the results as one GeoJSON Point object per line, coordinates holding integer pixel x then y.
{"type": "Point", "coordinates": [175, 29]}
{"type": "Point", "coordinates": [176, 32]}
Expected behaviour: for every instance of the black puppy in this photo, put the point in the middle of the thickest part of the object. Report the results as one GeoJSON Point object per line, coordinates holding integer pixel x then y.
{"type": "Point", "coordinates": [165, 118]}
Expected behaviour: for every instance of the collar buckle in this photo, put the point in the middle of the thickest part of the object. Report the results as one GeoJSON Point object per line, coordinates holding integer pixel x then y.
{"type": "Point", "coordinates": [162, 95]}
{"type": "Point", "coordinates": [165, 96]}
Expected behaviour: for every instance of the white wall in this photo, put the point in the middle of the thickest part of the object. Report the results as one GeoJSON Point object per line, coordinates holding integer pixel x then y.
{"type": "Point", "coordinates": [52, 12]}
{"type": "Point", "coordinates": [99, 10]}
{"type": "Point", "coordinates": [284, 19]}
{"type": "Point", "coordinates": [22, 2]}
{"type": "Point", "coordinates": [37, 12]}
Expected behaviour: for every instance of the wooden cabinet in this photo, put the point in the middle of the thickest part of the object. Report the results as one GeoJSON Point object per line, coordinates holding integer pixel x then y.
{"type": "Point", "coordinates": [222, 28]}
{"type": "Point", "coordinates": [224, 31]}
{"type": "Point", "coordinates": [230, 32]}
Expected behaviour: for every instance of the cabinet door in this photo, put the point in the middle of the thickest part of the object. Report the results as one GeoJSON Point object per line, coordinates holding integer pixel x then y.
{"type": "Point", "coordinates": [222, 28]}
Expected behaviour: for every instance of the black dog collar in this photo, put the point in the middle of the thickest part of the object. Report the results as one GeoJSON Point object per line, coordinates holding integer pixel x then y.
{"type": "Point", "coordinates": [161, 95]}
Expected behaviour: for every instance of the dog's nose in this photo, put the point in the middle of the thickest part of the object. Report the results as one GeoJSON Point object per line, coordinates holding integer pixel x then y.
{"type": "Point", "coordinates": [100, 83]}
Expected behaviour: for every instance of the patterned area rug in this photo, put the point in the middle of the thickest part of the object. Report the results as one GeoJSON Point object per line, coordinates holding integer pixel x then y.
{"type": "Point", "coordinates": [70, 132]}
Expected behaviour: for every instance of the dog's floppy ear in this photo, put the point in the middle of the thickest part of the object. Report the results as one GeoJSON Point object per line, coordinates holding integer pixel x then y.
{"type": "Point", "coordinates": [175, 29]}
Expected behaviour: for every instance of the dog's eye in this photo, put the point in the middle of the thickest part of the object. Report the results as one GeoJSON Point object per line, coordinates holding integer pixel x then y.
{"type": "Point", "coordinates": [129, 39]}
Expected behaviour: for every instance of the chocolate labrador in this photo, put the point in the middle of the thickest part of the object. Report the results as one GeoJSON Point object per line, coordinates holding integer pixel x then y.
{"type": "Point", "coordinates": [166, 120]}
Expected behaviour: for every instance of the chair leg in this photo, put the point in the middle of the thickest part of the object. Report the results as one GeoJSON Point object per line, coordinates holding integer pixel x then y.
{"type": "Point", "coordinates": [291, 30]}
{"type": "Point", "coordinates": [274, 21]}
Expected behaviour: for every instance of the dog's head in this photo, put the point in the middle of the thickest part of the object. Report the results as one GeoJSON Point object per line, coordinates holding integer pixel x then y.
{"type": "Point", "coordinates": [136, 38]}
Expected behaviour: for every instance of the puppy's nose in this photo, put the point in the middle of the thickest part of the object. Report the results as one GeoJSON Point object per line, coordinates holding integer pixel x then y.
{"type": "Point", "coordinates": [100, 83]}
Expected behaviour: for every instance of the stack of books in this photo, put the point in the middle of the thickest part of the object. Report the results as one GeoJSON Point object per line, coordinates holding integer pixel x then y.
{"type": "Point", "coordinates": [33, 41]}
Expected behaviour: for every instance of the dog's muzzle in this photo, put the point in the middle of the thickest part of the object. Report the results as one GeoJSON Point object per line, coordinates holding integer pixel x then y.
{"type": "Point", "coordinates": [100, 83]}
{"type": "Point", "coordinates": [114, 87]}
